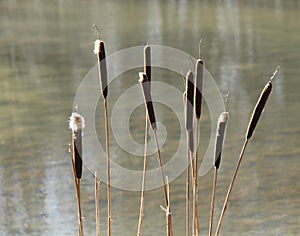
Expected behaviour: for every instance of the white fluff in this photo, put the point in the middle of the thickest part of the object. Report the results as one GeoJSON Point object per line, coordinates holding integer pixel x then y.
{"type": "Point", "coordinates": [76, 122]}
{"type": "Point", "coordinates": [97, 46]}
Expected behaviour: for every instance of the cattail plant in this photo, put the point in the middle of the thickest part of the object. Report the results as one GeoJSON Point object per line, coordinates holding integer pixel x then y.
{"type": "Point", "coordinates": [220, 135]}
{"type": "Point", "coordinates": [99, 50]}
{"type": "Point", "coordinates": [76, 124]}
{"type": "Point", "coordinates": [188, 103]}
{"type": "Point", "coordinates": [145, 85]}
{"type": "Point", "coordinates": [198, 106]}
{"type": "Point", "coordinates": [147, 71]}
{"type": "Point", "coordinates": [259, 107]}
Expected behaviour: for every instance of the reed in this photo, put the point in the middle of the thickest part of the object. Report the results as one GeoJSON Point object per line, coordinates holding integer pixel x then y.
{"type": "Point", "coordinates": [97, 185]}
{"type": "Point", "coordinates": [259, 107]}
{"type": "Point", "coordinates": [147, 71]}
{"type": "Point", "coordinates": [145, 85]}
{"type": "Point", "coordinates": [198, 106]}
{"type": "Point", "coordinates": [77, 124]}
{"type": "Point", "coordinates": [220, 135]}
{"type": "Point", "coordinates": [99, 50]}
{"type": "Point", "coordinates": [189, 104]}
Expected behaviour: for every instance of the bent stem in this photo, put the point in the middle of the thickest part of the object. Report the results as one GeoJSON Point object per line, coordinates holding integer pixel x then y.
{"type": "Point", "coordinates": [230, 187]}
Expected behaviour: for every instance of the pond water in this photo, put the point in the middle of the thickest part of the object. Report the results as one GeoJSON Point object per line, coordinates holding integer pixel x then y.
{"type": "Point", "coordinates": [46, 49]}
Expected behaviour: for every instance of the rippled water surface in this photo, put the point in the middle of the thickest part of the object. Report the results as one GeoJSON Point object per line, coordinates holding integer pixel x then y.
{"type": "Point", "coordinates": [46, 49]}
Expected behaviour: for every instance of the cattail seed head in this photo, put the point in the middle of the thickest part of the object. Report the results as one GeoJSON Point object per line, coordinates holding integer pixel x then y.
{"type": "Point", "coordinates": [97, 46]}
{"type": "Point", "coordinates": [220, 135]}
{"type": "Point", "coordinates": [76, 124]}
{"type": "Point", "coordinates": [198, 87]}
{"type": "Point", "coordinates": [259, 107]}
{"type": "Point", "coordinates": [147, 61]}
{"type": "Point", "coordinates": [145, 84]}
{"type": "Point", "coordinates": [189, 101]}
{"type": "Point", "coordinates": [99, 49]}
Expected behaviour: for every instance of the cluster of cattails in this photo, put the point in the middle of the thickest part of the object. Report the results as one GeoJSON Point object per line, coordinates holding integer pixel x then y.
{"type": "Point", "coordinates": [192, 103]}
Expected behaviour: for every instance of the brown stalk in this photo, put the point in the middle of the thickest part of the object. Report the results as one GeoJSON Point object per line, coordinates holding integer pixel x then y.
{"type": "Point", "coordinates": [198, 106]}
{"type": "Point", "coordinates": [100, 51]}
{"type": "Point", "coordinates": [259, 107]}
{"type": "Point", "coordinates": [189, 101]}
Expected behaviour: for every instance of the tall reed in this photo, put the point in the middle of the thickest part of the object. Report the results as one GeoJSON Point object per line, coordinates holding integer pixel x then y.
{"type": "Point", "coordinates": [198, 106]}
{"type": "Point", "coordinates": [76, 124]}
{"type": "Point", "coordinates": [259, 107]}
{"type": "Point", "coordinates": [145, 85]}
{"type": "Point", "coordinates": [147, 71]}
{"type": "Point", "coordinates": [99, 50]}
{"type": "Point", "coordinates": [189, 104]}
{"type": "Point", "coordinates": [220, 135]}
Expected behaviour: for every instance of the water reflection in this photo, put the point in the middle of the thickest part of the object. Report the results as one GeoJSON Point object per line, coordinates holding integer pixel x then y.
{"type": "Point", "coordinates": [46, 49]}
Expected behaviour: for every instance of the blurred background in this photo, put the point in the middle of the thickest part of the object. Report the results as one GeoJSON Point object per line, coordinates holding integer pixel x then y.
{"type": "Point", "coordinates": [46, 49]}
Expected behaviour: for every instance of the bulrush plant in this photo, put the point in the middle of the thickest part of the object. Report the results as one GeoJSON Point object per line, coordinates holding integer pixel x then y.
{"type": "Point", "coordinates": [188, 98]}
{"type": "Point", "coordinates": [147, 71]}
{"type": "Point", "coordinates": [76, 124]}
{"type": "Point", "coordinates": [258, 109]}
{"type": "Point", "coordinates": [220, 135]}
{"type": "Point", "coordinates": [99, 50]}
{"type": "Point", "coordinates": [145, 85]}
{"type": "Point", "coordinates": [192, 105]}
{"type": "Point", "coordinates": [198, 106]}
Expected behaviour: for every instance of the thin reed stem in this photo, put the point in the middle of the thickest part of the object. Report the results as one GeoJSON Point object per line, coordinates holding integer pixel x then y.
{"type": "Point", "coordinates": [188, 183]}
{"type": "Point", "coordinates": [108, 171]}
{"type": "Point", "coordinates": [143, 180]}
{"type": "Point", "coordinates": [230, 187]}
{"type": "Point", "coordinates": [97, 185]}
{"type": "Point", "coordinates": [195, 186]}
{"type": "Point", "coordinates": [213, 202]}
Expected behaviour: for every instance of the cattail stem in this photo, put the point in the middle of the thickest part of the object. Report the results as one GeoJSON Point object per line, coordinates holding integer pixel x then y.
{"type": "Point", "coordinates": [213, 202]}
{"type": "Point", "coordinates": [108, 171]}
{"type": "Point", "coordinates": [143, 180]}
{"type": "Point", "coordinates": [230, 188]}
{"type": "Point", "coordinates": [97, 185]}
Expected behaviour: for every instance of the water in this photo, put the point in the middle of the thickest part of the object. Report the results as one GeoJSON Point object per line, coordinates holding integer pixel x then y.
{"type": "Point", "coordinates": [46, 50]}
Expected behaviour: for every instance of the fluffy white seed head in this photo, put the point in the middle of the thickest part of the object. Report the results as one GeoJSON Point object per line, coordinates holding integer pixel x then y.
{"type": "Point", "coordinates": [76, 122]}
{"type": "Point", "coordinates": [97, 46]}
{"type": "Point", "coordinates": [223, 117]}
